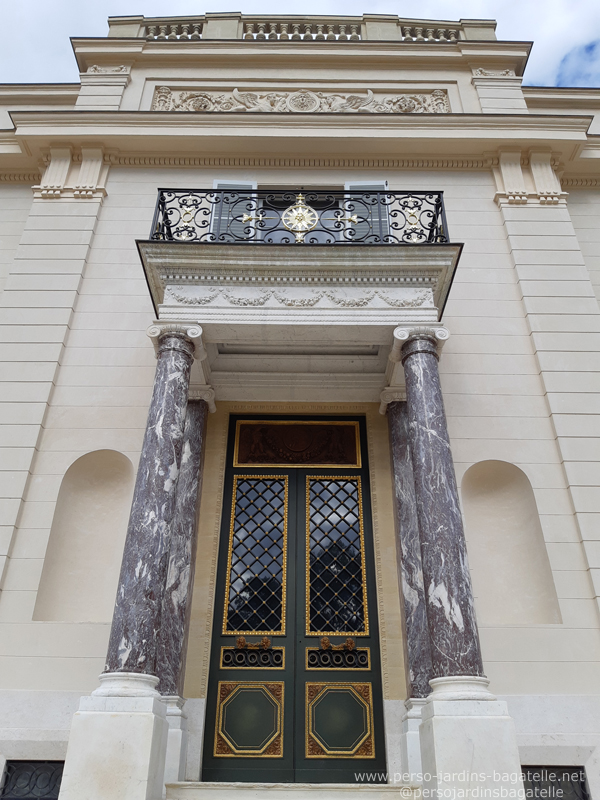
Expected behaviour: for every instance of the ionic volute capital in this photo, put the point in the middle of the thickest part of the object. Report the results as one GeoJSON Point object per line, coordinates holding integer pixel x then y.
{"type": "Point", "coordinates": [437, 333]}
{"type": "Point", "coordinates": [206, 393]}
{"type": "Point", "coordinates": [391, 394]}
{"type": "Point", "coordinates": [192, 333]}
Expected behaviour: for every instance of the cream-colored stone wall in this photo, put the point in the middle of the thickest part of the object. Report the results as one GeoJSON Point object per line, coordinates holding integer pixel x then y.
{"type": "Point", "coordinates": [494, 399]}
{"type": "Point", "coordinates": [584, 208]}
{"type": "Point", "coordinates": [315, 71]}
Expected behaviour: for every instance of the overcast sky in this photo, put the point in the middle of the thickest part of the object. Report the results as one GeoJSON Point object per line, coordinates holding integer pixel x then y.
{"type": "Point", "coordinates": [35, 43]}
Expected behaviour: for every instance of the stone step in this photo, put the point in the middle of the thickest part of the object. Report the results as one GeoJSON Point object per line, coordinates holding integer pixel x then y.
{"type": "Point", "coordinates": [290, 791]}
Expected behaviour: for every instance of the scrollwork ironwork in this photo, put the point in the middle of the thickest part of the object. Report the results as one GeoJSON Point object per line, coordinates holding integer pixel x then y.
{"type": "Point", "coordinates": [263, 217]}
{"type": "Point", "coordinates": [28, 779]}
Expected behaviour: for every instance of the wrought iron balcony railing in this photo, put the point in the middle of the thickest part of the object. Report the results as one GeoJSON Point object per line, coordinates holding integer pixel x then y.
{"type": "Point", "coordinates": [260, 216]}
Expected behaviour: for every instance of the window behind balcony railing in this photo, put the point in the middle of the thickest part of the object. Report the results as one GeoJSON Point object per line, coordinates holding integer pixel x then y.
{"type": "Point", "coordinates": [357, 214]}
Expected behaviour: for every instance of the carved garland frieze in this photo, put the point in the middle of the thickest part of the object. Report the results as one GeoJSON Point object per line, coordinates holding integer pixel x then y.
{"type": "Point", "coordinates": [300, 102]}
{"type": "Point", "coordinates": [493, 73]}
{"type": "Point", "coordinates": [416, 300]}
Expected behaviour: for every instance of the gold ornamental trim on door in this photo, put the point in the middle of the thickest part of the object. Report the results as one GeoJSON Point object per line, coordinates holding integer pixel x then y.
{"type": "Point", "coordinates": [339, 720]}
{"type": "Point", "coordinates": [249, 719]}
{"type": "Point", "coordinates": [257, 556]}
{"type": "Point", "coordinates": [236, 658]}
{"type": "Point", "coordinates": [336, 580]}
{"type": "Point", "coordinates": [293, 443]}
{"type": "Point", "coordinates": [333, 660]}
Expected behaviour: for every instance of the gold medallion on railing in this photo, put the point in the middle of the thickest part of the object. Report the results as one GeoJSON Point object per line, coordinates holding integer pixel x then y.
{"type": "Point", "coordinates": [300, 218]}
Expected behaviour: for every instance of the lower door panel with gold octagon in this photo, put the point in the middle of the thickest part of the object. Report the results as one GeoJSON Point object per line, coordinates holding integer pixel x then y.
{"type": "Point", "coordinates": [294, 689]}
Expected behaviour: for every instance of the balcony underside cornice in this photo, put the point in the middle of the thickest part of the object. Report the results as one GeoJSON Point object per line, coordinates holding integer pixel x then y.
{"type": "Point", "coordinates": [176, 263]}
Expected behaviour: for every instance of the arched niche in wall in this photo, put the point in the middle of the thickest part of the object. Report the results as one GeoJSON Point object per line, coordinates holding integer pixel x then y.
{"type": "Point", "coordinates": [83, 557]}
{"type": "Point", "coordinates": [511, 573]}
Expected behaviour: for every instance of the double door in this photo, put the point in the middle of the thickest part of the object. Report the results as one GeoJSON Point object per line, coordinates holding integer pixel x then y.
{"type": "Point", "coordinates": [295, 683]}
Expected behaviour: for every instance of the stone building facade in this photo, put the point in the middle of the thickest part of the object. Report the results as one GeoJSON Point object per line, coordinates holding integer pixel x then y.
{"type": "Point", "coordinates": [301, 355]}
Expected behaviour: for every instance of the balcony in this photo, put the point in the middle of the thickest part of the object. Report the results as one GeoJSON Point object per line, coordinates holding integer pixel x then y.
{"type": "Point", "coordinates": [297, 217]}
{"type": "Point", "coordinates": [310, 315]}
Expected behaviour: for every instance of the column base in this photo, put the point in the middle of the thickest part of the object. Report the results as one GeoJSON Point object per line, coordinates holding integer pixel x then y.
{"type": "Point", "coordinates": [410, 743]}
{"type": "Point", "coordinates": [468, 742]}
{"type": "Point", "coordinates": [118, 742]}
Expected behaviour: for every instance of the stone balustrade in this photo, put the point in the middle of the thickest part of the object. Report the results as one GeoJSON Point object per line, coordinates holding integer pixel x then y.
{"type": "Point", "coordinates": [289, 28]}
{"type": "Point", "coordinates": [191, 30]}
{"type": "Point", "coordinates": [296, 31]}
{"type": "Point", "coordinates": [415, 33]}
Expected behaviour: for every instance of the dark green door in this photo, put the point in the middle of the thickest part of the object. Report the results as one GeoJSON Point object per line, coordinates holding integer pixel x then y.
{"type": "Point", "coordinates": [294, 689]}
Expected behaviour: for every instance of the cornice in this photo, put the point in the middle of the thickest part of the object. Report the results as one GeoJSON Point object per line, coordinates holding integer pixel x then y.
{"type": "Point", "coordinates": [42, 93]}
{"type": "Point", "coordinates": [575, 93]}
{"type": "Point", "coordinates": [246, 47]}
{"type": "Point", "coordinates": [314, 53]}
{"type": "Point", "coordinates": [178, 123]}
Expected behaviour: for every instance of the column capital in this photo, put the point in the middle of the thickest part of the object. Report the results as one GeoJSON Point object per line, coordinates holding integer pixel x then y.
{"type": "Point", "coordinates": [206, 393]}
{"type": "Point", "coordinates": [391, 394]}
{"type": "Point", "coordinates": [436, 333]}
{"type": "Point", "coordinates": [193, 333]}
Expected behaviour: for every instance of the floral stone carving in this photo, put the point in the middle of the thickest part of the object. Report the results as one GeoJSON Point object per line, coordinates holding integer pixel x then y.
{"type": "Point", "coordinates": [300, 102]}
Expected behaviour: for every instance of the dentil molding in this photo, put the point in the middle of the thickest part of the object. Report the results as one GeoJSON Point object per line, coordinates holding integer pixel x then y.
{"type": "Point", "coordinates": [150, 160]}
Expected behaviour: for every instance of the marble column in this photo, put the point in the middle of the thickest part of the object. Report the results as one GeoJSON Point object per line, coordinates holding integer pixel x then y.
{"type": "Point", "coordinates": [176, 606]}
{"type": "Point", "coordinates": [409, 554]}
{"type": "Point", "coordinates": [137, 616]}
{"type": "Point", "coordinates": [451, 620]}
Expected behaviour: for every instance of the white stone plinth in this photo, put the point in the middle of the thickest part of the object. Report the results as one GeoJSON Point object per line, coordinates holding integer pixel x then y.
{"type": "Point", "coordinates": [177, 742]}
{"type": "Point", "coordinates": [409, 740]}
{"type": "Point", "coordinates": [468, 742]}
{"type": "Point", "coordinates": [118, 742]}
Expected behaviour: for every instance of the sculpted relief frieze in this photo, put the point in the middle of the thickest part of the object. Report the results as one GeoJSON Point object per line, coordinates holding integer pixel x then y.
{"type": "Point", "coordinates": [300, 102]}
{"type": "Point", "coordinates": [291, 298]}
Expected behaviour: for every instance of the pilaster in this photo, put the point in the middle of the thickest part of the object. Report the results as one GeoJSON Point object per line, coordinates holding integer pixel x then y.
{"type": "Point", "coordinates": [36, 309]}
{"type": "Point", "coordinates": [102, 87]}
{"type": "Point", "coordinates": [564, 319]}
{"type": "Point", "coordinates": [499, 91]}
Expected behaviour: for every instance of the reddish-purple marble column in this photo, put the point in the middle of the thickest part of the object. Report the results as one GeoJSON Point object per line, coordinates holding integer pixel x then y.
{"type": "Point", "coordinates": [453, 631]}
{"type": "Point", "coordinates": [408, 546]}
{"type": "Point", "coordinates": [177, 600]}
{"type": "Point", "coordinates": [138, 608]}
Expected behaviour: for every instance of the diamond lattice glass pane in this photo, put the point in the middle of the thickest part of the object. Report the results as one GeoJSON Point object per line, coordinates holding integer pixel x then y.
{"type": "Point", "coordinates": [255, 587]}
{"type": "Point", "coordinates": [337, 602]}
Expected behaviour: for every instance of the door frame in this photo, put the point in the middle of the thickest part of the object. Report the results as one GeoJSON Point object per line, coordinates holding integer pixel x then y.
{"type": "Point", "coordinates": [370, 566]}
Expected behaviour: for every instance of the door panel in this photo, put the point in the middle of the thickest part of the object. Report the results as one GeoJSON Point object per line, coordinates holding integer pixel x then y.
{"type": "Point", "coordinates": [255, 593]}
{"type": "Point", "coordinates": [295, 686]}
{"type": "Point", "coordinates": [336, 596]}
